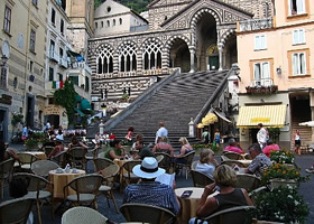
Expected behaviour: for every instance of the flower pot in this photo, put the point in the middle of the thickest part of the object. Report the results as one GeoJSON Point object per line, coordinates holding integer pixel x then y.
{"type": "Point", "coordinates": [277, 182]}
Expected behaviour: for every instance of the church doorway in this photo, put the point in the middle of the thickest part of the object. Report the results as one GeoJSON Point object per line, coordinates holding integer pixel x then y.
{"type": "Point", "coordinates": [180, 55]}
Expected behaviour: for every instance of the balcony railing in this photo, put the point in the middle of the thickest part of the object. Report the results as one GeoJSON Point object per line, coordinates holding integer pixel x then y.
{"type": "Point", "coordinates": [63, 62]}
{"type": "Point", "coordinates": [262, 86]}
{"type": "Point", "coordinates": [54, 56]}
{"type": "Point", "coordinates": [256, 24]}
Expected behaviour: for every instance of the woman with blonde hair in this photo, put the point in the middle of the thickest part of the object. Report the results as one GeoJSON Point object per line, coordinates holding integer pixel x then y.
{"type": "Point", "coordinates": [207, 163]}
{"type": "Point", "coordinates": [185, 148]}
{"type": "Point", "coordinates": [228, 196]}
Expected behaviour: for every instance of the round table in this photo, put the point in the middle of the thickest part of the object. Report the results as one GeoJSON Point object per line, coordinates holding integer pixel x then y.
{"type": "Point", "coordinates": [59, 180]}
{"type": "Point", "coordinates": [189, 204]}
{"type": "Point", "coordinates": [40, 155]}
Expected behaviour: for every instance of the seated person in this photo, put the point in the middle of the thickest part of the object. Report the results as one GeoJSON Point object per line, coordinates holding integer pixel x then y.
{"type": "Point", "coordinates": [259, 160]}
{"type": "Point", "coordinates": [7, 153]}
{"type": "Point", "coordinates": [147, 191]}
{"type": "Point", "coordinates": [162, 145]}
{"type": "Point", "coordinates": [228, 196]}
{"type": "Point", "coordinates": [207, 163]}
{"type": "Point", "coordinates": [115, 151]}
{"type": "Point", "coordinates": [185, 149]}
{"type": "Point", "coordinates": [233, 147]}
{"type": "Point", "coordinates": [270, 147]}
{"type": "Point", "coordinates": [76, 143]}
{"type": "Point", "coordinates": [59, 147]}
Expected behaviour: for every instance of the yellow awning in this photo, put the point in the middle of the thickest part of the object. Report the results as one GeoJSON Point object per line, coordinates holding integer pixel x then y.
{"type": "Point", "coordinates": [269, 115]}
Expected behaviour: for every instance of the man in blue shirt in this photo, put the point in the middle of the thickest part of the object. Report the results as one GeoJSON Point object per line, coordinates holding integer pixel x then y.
{"type": "Point", "coordinates": [148, 191]}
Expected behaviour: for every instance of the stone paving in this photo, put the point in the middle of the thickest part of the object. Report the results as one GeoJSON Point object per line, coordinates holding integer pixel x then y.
{"type": "Point", "coordinates": [306, 189]}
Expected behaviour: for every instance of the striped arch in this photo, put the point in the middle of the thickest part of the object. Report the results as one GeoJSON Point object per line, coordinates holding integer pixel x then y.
{"type": "Point", "coordinates": [127, 56]}
{"type": "Point", "coordinates": [173, 38]}
{"type": "Point", "coordinates": [198, 15]}
{"type": "Point", "coordinates": [152, 53]}
{"type": "Point", "coordinates": [226, 35]}
{"type": "Point", "coordinates": [104, 59]}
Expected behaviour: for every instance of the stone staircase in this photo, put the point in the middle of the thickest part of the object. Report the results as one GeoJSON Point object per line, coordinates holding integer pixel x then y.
{"type": "Point", "coordinates": [174, 100]}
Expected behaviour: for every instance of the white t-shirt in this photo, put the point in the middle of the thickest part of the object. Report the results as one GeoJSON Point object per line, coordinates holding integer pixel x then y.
{"type": "Point", "coordinates": [205, 168]}
{"type": "Point", "coordinates": [262, 135]}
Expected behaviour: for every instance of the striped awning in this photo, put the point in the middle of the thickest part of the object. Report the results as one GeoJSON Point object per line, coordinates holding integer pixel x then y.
{"type": "Point", "coordinates": [269, 115]}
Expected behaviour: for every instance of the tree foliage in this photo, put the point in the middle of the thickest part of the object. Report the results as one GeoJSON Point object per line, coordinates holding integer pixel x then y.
{"type": "Point", "coordinates": [65, 97]}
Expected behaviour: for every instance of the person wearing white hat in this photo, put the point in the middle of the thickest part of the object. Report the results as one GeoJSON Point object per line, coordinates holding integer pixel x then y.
{"type": "Point", "coordinates": [149, 191]}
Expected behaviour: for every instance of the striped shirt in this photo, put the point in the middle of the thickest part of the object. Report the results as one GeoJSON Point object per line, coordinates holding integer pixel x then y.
{"type": "Point", "coordinates": [152, 193]}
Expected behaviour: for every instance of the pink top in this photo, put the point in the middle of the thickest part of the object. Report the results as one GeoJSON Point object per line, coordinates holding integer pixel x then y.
{"type": "Point", "coordinates": [273, 147]}
{"type": "Point", "coordinates": [230, 148]}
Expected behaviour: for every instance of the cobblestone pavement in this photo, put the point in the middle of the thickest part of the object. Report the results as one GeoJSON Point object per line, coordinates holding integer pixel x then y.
{"type": "Point", "coordinates": [306, 189]}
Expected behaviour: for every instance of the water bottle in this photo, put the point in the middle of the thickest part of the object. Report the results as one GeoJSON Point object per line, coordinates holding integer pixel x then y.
{"type": "Point", "coordinates": [67, 168]}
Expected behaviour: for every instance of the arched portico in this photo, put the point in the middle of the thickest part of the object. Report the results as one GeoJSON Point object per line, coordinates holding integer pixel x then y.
{"type": "Point", "coordinates": [179, 53]}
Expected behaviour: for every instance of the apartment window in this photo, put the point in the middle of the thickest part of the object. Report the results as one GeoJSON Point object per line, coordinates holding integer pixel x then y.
{"type": "Point", "coordinates": [52, 48]}
{"type": "Point", "coordinates": [298, 36]}
{"type": "Point", "coordinates": [60, 77]}
{"type": "Point", "coordinates": [62, 26]}
{"type": "Point", "coordinates": [31, 65]}
{"type": "Point", "coordinates": [299, 63]}
{"type": "Point", "coordinates": [61, 53]}
{"type": "Point", "coordinates": [120, 21]}
{"type": "Point", "coordinates": [7, 19]}
{"type": "Point", "coordinates": [53, 16]}
{"type": "Point", "coordinates": [262, 73]}
{"type": "Point", "coordinates": [51, 74]}
{"type": "Point", "coordinates": [86, 84]}
{"type": "Point", "coordinates": [260, 42]}
{"type": "Point", "coordinates": [32, 40]}
{"type": "Point", "coordinates": [102, 24]}
{"type": "Point", "coordinates": [96, 25]}
{"type": "Point", "coordinates": [296, 7]}
{"type": "Point", "coordinates": [35, 2]}
{"type": "Point", "coordinates": [114, 22]}
{"type": "Point", "coordinates": [108, 23]}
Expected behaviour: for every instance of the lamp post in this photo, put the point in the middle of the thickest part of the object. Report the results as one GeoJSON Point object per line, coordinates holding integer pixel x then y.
{"type": "Point", "coordinates": [104, 110]}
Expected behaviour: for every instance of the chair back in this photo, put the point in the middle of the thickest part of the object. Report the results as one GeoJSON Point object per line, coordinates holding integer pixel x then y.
{"type": "Point", "coordinates": [6, 168]}
{"type": "Point", "coordinates": [135, 212]}
{"type": "Point", "coordinates": [232, 155]}
{"type": "Point", "coordinates": [77, 157]}
{"type": "Point", "coordinates": [102, 163]}
{"type": "Point", "coordinates": [232, 163]}
{"type": "Point", "coordinates": [128, 166]}
{"type": "Point", "coordinates": [194, 163]}
{"type": "Point", "coordinates": [42, 167]}
{"type": "Point", "coordinates": [88, 184]}
{"type": "Point", "coordinates": [166, 163]}
{"type": "Point", "coordinates": [82, 215]}
{"type": "Point", "coordinates": [248, 182]}
{"type": "Point", "coordinates": [200, 179]}
{"type": "Point", "coordinates": [15, 210]}
{"type": "Point", "coordinates": [234, 215]}
{"type": "Point", "coordinates": [34, 182]}
{"type": "Point", "coordinates": [59, 158]}
{"type": "Point", "coordinates": [48, 149]}
{"type": "Point", "coordinates": [160, 158]}
{"type": "Point", "coordinates": [189, 158]}
{"type": "Point", "coordinates": [26, 158]}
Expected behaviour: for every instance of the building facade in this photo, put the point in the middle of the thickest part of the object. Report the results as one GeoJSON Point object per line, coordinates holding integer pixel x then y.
{"type": "Point", "coordinates": [277, 72]}
{"type": "Point", "coordinates": [190, 35]}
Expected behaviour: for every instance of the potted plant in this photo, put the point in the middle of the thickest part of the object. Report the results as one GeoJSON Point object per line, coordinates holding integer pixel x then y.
{"type": "Point", "coordinates": [282, 204]}
{"type": "Point", "coordinates": [282, 156]}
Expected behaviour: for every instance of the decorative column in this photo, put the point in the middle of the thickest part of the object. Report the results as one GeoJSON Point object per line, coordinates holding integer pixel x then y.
{"type": "Point", "coordinates": [220, 49]}
{"type": "Point", "coordinates": [192, 54]}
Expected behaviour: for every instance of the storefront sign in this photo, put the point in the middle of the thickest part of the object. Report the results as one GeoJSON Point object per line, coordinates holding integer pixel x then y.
{"type": "Point", "coordinates": [260, 120]}
{"type": "Point", "coordinates": [52, 110]}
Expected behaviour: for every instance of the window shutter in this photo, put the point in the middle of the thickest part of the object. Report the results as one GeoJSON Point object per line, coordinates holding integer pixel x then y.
{"type": "Point", "coordinates": [300, 7]}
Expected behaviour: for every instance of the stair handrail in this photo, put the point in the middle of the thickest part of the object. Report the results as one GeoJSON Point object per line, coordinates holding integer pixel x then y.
{"type": "Point", "coordinates": [139, 101]}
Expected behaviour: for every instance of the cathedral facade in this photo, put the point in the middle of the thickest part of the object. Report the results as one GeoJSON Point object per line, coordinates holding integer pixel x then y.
{"type": "Point", "coordinates": [195, 35]}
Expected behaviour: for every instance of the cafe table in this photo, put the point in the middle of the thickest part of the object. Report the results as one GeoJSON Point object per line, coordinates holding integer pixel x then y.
{"type": "Point", "coordinates": [189, 204]}
{"type": "Point", "coordinates": [60, 180]}
{"type": "Point", "coordinates": [40, 155]}
{"type": "Point", "coordinates": [245, 162]}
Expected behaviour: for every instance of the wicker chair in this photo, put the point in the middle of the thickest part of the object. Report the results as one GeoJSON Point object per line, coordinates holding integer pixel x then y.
{"type": "Point", "coordinates": [135, 212]}
{"type": "Point", "coordinates": [200, 179]}
{"type": "Point", "coordinates": [36, 189]}
{"type": "Point", "coordinates": [15, 210]}
{"type": "Point", "coordinates": [60, 158]}
{"type": "Point", "coordinates": [42, 167]}
{"type": "Point", "coordinates": [160, 158]}
{"type": "Point", "coordinates": [6, 168]}
{"type": "Point", "coordinates": [25, 161]}
{"type": "Point", "coordinates": [248, 182]}
{"type": "Point", "coordinates": [234, 215]}
{"type": "Point", "coordinates": [233, 163]}
{"type": "Point", "coordinates": [231, 155]}
{"type": "Point", "coordinates": [82, 215]}
{"type": "Point", "coordinates": [166, 163]}
{"type": "Point", "coordinates": [48, 149]}
{"type": "Point", "coordinates": [76, 157]}
{"type": "Point", "coordinates": [187, 164]}
{"type": "Point", "coordinates": [108, 173]}
{"type": "Point", "coordinates": [86, 188]}
{"type": "Point", "coordinates": [127, 176]}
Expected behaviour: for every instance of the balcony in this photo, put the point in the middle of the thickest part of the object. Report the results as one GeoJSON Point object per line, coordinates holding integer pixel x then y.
{"type": "Point", "coordinates": [256, 24]}
{"type": "Point", "coordinates": [63, 62]}
{"type": "Point", "coordinates": [54, 56]}
{"type": "Point", "coordinates": [262, 87]}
